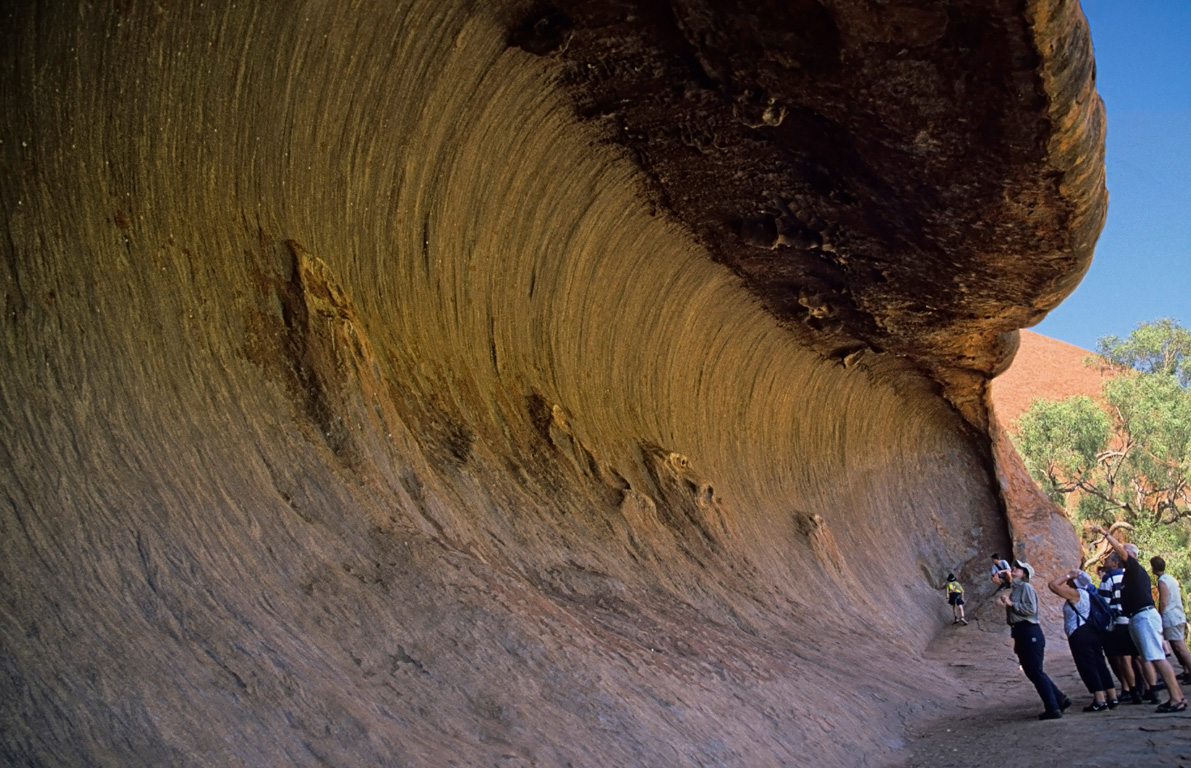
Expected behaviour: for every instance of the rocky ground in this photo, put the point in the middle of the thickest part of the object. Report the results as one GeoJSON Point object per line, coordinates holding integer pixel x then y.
{"type": "Point", "coordinates": [994, 722]}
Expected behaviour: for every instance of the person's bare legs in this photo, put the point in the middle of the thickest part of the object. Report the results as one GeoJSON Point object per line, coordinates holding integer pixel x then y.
{"type": "Point", "coordinates": [1147, 673]}
{"type": "Point", "coordinates": [1143, 671]}
{"type": "Point", "coordinates": [1123, 666]}
{"type": "Point", "coordinates": [1172, 682]}
{"type": "Point", "coordinates": [1182, 654]}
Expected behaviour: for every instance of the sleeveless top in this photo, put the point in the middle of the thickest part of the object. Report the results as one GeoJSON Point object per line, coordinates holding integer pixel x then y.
{"type": "Point", "coordinates": [1076, 616]}
{"type": "Point", "coordinates": [1174, 615]}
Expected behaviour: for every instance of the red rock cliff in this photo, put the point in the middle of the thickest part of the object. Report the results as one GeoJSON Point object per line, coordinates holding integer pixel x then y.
{"type": "Point", "coordinates": [450, 383]}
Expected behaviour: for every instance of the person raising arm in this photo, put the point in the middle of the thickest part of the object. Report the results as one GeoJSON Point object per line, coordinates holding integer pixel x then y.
{"type": "Point", "coordinates": [1087, 649]}
{"type": "Point", "coordinates": [1145, 623]}
{"type": "Point", "coordinates": [1021, 612]}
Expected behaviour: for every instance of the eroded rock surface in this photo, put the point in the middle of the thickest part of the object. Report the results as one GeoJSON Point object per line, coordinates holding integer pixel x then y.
{"type": "Point", "coordinates": [498, 384]}
{"type": "Point", "coordinates": [916, 178]}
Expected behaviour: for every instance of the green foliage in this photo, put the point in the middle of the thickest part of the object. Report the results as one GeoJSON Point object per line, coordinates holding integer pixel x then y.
{"type": "Point", "coordinates": [1170, 541]}
{"type": "Point", "coordinates": [1060, 442]}
{"type": "Point", "coordinates": [1154, 424]}
{"type": "Point", "coordinates": [1161, 347]}
{"type": "Point", "coordinates": [1127, 458]}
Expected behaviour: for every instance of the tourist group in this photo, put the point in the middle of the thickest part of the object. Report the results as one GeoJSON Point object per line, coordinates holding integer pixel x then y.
{"type": "Point", "coordinates": [1111, 624]}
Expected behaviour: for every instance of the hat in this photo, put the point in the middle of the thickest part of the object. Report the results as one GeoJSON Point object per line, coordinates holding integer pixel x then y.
{"type": "Point", "coordinates": [1029, 569]}
{"type": "Point", "coordinates": [951, 577]}
{"type": "Point", "coordinates": [1083, 580]}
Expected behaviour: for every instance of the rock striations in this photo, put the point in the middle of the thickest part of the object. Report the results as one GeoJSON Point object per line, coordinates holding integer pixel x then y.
{"type": "Point", "coordinates": [449, 383]}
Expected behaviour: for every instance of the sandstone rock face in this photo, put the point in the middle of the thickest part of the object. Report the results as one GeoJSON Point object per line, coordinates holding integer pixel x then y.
{"type": "Point", "coordinates": [918, 179]}
{"type": "Point", "coordinates": [486, 384]}
{"type": "Point", "coordinates": [1042, 534]}
{"type": "Point", "coordinates": [1045, 368]}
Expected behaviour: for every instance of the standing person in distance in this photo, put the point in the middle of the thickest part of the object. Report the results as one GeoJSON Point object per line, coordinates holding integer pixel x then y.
{"type": "Point", "coordinates": [1145, 623]}
{"type": "Point", "coordinates": [955, 597]}
{"type": "Point", "coordinates": [1021, 611]}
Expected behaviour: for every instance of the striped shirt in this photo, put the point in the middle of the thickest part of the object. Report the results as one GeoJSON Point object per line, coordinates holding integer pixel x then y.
{"type": "Point", "coordinates": [1110, 589]}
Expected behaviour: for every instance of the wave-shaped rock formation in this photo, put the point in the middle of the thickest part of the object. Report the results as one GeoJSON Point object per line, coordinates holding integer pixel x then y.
{"type": "Point", "coordinates": [453, 383]}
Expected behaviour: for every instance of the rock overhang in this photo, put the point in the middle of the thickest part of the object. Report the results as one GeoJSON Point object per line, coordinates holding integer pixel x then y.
{"type": "Point", "coordinates": [307, 382]}
{"type": "Point", "coordinates": [917, 179]}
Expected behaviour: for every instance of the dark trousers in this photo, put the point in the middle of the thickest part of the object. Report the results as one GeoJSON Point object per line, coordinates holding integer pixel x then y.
{"type": "Point", "coordinates": [1087, 649]}
{"type": "Point", "coordinates": [1030, 647]}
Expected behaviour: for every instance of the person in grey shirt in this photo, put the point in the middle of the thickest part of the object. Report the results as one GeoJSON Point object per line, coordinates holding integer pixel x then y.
{"type": "Point", "coordinates": [1021, 611]}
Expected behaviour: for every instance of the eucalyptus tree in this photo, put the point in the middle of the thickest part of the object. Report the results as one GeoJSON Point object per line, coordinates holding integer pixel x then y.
{"type": "Point", "coordinates": [1124, 457]}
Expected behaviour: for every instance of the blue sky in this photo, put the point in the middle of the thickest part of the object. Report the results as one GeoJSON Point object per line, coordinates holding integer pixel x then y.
{"type": "Point", "coordinates": [1142, 267]}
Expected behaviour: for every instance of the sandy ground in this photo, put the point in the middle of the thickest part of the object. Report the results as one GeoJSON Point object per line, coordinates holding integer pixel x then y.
{"type": "Point", "coordinates": [995, 721]}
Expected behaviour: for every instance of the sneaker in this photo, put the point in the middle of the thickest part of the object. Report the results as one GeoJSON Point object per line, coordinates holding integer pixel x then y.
{"type": "Point", "coordinates": [964, 622]}
{"type": "Point", "coordinates": [1113, 703]}
{"type": "Point", "coordinates": [1051, 714]}
{"type": "Point", "coordinates": [1134, 697]}
{"type": "Point", "coordinates": [1064, 704]}
{"type": "Point", "coordinates": [1096, 706]}
{"type": "Point", "coordinates": [1152, 697]}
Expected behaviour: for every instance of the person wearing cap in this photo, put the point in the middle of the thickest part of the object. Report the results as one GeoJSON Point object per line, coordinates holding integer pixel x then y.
{"type": "Point", "coordinates": [1145, 623]}
{"type": "Point", "coordinates": [1021, 611]}
{"type": "Point", "coordinates": [1086, 646]}
{"type": "Point", "coordinates": [955, 596]}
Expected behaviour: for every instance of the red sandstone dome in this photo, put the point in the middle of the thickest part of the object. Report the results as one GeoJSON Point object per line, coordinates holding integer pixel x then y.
{"type": "Point", "coordinates": [1044, 369]}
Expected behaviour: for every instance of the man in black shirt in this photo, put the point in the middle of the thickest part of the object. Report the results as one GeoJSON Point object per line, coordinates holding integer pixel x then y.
{"type": "Point", "coordinates": [1145, 624]}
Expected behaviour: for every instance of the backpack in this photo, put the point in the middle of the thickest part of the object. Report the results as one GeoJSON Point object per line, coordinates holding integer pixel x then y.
{"type": "Point", "coordinates": [1112, 595]}
{"type": "Point", "coordinates": [1100, 616]}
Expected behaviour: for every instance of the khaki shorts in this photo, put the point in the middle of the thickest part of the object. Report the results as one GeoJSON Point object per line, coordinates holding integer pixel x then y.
{"type": "Point", "coordinates": [1177, 632]}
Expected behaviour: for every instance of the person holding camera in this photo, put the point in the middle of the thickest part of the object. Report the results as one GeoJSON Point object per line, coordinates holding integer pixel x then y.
{"type": "Point", "coordinates": [1000, 572]}
{"type": "Point", "coordinates": [1087, 649]}
{"type": "Point", "coordinates": [1021, 611]}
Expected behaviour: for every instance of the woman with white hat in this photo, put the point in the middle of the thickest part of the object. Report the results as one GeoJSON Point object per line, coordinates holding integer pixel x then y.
{"type": "Point", "coordinates": [1021, 611]}
{"type": "Point", "coordinates": [1087, 647]}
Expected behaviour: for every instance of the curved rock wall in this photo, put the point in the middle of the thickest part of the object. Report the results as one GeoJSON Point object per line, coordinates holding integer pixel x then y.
{"type": "Point", "coordinates": [362, 407]}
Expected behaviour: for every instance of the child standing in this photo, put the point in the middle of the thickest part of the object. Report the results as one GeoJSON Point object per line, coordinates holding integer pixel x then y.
{"type": "Point", "coordinates": [955, 596]}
